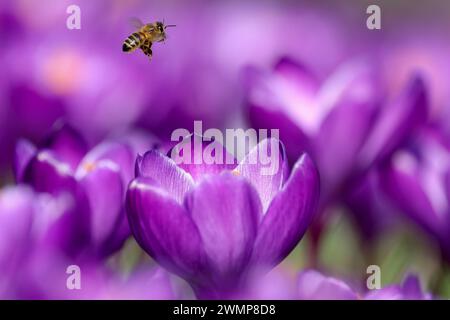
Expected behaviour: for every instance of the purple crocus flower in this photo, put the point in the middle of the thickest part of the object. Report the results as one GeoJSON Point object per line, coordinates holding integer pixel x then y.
{"type": "Point", "coordinates": [31, 270]}
{"type": "Point", "coordinates": [313, 285]}
{"type": "Point", "coordinates": [28, 225]}
{"type": "Point", "coordinates": [343, 122]}
{"type": "Point", "coordinates": [94, 181]}
{"type": "Point", "coordinates": [346, 123]}
{"type": "Point", "coordinates": [417, 181]}
{"type": "Point", "coordinates": [213, 224]}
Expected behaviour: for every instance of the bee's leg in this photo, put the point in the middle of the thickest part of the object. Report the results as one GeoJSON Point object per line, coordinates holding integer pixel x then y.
{"type": "Point", "coordinates": [149, 53]}
{"type": "Point", "coordinates": [146, 48]}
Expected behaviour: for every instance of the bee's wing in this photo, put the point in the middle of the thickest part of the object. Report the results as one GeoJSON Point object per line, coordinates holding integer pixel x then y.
{"type": "Point", "coordinates": [136, 23]}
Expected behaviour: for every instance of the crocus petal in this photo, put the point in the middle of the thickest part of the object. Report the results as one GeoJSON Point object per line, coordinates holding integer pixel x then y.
{"type": "Point", "coordinates": [293, 137]}
{"type": "Point", "coordinates": [104, 189]}
{"type": "Point", "coordinates": [24, 152]}
{"type": "Point", "coordinates": [411, 287]}
{"type": "Point", "coordinates": [199, 156]}
{"type": "Point", "coordinates": [396, 122]}
{"type": "Point", "coordinates": [289, 214]}
{"type": "Point", "coordinates": [275, 285]}
{"type": "Point", "coordinates": [226, 210]}
{"type": "Point", "coordinates": [65, 214]}
{"type": "Point", "coordinates": [266, 169]}
{"type": "Point", "coordinates": [348, 103]}
{"type": "Point", "coordinates": [405, 191]}
{"type": "Point", "coordinates": [266, 110]}
{"type": "Point", "coordinates": [392, 292]}
{"type": "Point", "coordinates": [164, 229]}
{"type": "Point", "coordinates": [356, 81]}
{"type": "Point", "coordinates": [61, 222]}
{"type": "Point", "coordinates": [291, 89]}
{"type": "Point", "coordinates": [341, 136]}
{"type": "Point", "coordinates": [46, 173]}
{"type": "Point", "coordinates": [312, 285]}
{"type": "Point", "coordinates": [67, 144]}
{"type": "Point", "coordinates": [299, 75]}
{"type": "Point", "coordinates": [163, 170]}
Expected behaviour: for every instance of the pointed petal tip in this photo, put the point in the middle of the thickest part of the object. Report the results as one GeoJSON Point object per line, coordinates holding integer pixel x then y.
{"type": "Point", "coordinates": [306, 163]}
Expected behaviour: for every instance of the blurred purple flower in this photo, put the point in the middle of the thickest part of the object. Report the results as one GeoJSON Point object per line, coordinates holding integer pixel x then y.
{"type": "Point", "coordinates": [344, 123]}
{"type": "Point", "coordinates": [28, 226]}
{"type": "Point", "coordinates": [29, 270]}
{"type": "Point", "coordinates": [417, 181]}
{"type": "Point", "coordinates": [212, 224]}
{"type": "Point", "coordinates": [312, 285]}
{"type": "Point", "coordinates": [94, 182]}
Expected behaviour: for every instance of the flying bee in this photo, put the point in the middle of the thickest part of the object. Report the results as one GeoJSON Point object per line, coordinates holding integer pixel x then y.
{"type": "Point", "coordinates": [144, 37]}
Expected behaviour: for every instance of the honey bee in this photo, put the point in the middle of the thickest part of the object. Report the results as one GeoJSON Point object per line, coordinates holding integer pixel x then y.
{"type": "Point", "coordinates": [144, 37]}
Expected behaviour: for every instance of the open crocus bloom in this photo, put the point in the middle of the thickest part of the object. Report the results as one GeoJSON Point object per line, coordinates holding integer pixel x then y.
{"type": "Point", "coordinates": [28, 222]}
{"type": "Point", "coordinates": [344, 123]}
{"type": "Point", "coordinates": [214, 228]}
{"type": "Point", "coordinates": [94, 182]}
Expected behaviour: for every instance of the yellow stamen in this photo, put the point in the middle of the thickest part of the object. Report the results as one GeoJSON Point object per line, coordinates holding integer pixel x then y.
{"type": "Point", "coordinates": [235, 172]}
{"type": "Point", "coordinates": [89, 166]}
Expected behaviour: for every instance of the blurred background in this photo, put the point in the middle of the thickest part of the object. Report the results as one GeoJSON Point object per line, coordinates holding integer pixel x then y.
{"type": "Point", "coordinates": [81, 77]}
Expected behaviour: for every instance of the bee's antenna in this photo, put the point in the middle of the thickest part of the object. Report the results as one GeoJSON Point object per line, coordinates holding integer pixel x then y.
{"type": "Point", "coordinates": [170, 25]}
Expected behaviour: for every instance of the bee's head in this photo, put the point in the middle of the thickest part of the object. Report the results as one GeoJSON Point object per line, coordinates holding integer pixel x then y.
{"type": "Point", "coordinates": [164, 26]}
{"type": "Point", "coordinates": [160, 27]}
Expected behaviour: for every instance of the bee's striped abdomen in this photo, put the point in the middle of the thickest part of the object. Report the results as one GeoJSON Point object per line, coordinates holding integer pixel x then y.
{"type": "Point", "coordinates": [132, 42]}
